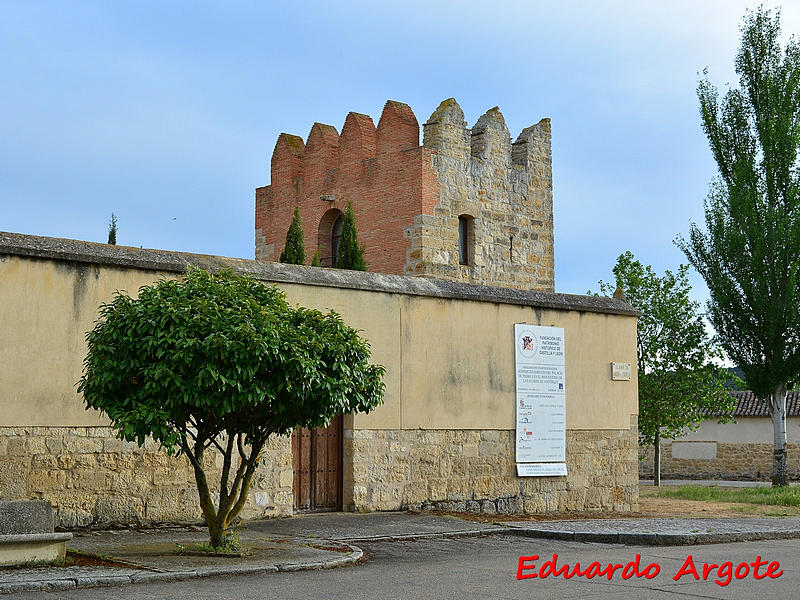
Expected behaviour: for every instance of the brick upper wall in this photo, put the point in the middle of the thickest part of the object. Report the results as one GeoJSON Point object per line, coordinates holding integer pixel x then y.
{"type": "Point", "coordinates": [383, 171]}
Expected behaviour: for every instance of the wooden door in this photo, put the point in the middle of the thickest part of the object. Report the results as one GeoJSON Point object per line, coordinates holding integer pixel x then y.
{"type": "Point", "coordinates": [317, 468]}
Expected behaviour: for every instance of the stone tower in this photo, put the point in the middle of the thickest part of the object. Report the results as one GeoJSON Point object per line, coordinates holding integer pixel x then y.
{"type": "Point", "coordinates": [467, 205]}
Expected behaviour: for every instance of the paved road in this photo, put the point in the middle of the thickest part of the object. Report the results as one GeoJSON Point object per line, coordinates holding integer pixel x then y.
{"type": "Point", "coordinates": [485, 567]}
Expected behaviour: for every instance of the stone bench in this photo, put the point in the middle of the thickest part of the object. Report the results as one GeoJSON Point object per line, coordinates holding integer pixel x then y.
{"type": "Point", "coordinates": [27, 533]}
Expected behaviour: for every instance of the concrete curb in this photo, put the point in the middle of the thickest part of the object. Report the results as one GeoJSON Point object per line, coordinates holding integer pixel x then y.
{"type": "Point", "coordinates": [629, 539]}
{"type": "Point", "coordinates": [426, 536]}
{"type": "Point", "coordinates": [55, 585]}
{"type": "Point", "coordinates": [653, 539]}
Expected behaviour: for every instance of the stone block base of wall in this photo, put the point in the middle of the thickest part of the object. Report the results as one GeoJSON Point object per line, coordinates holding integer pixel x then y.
{"type": "Point", "coordinates": [93, 479]}
{"type": "Point", "coordinates": [736, 462]}
{"type": "Point", "coordinates": [474, 470]}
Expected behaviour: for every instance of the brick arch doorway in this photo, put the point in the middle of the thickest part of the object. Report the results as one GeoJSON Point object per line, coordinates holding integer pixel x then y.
{"type": "Point", "coordinates": [317, 468]}
{"type": "Point", "coordinates": [329, 232]}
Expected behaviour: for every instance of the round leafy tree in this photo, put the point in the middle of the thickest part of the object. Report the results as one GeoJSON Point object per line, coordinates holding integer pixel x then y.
{"type": "Point", "coordinates": [679, 383]}
{"type": "Point", "coordinates": [222, 361]}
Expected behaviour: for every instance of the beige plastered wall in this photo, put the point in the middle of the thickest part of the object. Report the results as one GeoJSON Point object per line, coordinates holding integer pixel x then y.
{"type": "Point", "coordinates": [449, 362]}
{"type": "Point", "coordinates": [46, 308]}
{"type": "Point", "coordinates": [737, 451]}
{"type": "Point", "coordinates": [746, 430]}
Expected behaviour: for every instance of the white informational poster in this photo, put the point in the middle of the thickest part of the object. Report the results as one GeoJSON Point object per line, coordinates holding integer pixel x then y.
{"type": "Point", "coordinates": [541, 469]}
{"type": "Point", "coordinates": [540, 400]}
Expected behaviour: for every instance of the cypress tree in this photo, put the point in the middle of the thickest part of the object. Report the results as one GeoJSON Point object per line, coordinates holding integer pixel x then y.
{"type": "Point", "coordinates": [316, 260]}
{"type": "Point", "coordinates": [112, 230]}
{"type": "Point", "coordinates": [350, 255]}
{"type": "Point", "coordinates": [294, 251]}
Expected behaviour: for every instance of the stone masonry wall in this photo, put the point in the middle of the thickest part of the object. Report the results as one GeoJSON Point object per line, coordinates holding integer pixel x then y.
{"type": "Point", "coordinates": [92, 478]}
{"type": "Point", "coordinates": [505, 190]}
{"type": "Point", "coordinates": [737, 462]}
{"type": "Point", "coordinates": [474, 470]}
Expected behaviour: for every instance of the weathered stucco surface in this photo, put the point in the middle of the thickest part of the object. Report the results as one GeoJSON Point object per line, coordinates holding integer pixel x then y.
{"type": "Point", "coordinates": [447, 346]}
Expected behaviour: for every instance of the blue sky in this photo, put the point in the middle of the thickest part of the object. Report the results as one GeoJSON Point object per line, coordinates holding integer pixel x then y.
{"type": "Point", "coordinates": [166, 113]}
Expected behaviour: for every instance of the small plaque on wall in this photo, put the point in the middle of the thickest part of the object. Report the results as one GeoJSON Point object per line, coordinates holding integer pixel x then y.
{"type": "Point", "coordinates": [620, 371]}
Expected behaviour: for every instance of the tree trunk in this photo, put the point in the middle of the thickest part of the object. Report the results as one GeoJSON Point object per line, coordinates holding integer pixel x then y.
{"type": "Point", "coordinates": [777, 409]}
{"type": "Point", "coordinates": [657, 460]}
{"type": "Point", "coordinates": [216, 532]}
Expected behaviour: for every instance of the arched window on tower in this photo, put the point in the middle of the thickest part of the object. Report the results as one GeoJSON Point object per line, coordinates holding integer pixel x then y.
{"type": "Point", "coordinates": [466, 240]}
{"type": "Point", "coordinates": [328, 234]}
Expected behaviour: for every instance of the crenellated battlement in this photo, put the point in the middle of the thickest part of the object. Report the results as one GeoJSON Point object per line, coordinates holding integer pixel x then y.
{"type": "Point", "coordinates": [490, 136]}
{"type": "Point", "coordinates": [382, 170]}
{"type": "Point", "coordinates": [357, 142]}
{"type": "Point", "coordinates": [310, 163]}
{"type": "Point", "coordinates": [398, 128]}
{"type": "Point", "coordinates": [287, 160]}
{"type": "Point", "coordinates": [446, 132]}
{"type": "Point", "coordinates": [408, 197]}
{"type": "Point", "coordinates": [532, 145]}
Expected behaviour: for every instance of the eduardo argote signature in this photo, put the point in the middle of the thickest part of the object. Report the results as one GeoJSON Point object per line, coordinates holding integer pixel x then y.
{"type": "Point", "coordinates": [722, 574]}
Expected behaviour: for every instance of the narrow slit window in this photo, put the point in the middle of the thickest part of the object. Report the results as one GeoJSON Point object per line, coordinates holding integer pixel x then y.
{"type": "Point", "coordinates": [464, 235]}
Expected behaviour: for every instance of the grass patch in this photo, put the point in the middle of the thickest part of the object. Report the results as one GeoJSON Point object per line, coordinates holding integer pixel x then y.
{"type": "Point", "coordinates": [786, 496]}
{"type": "Point", "coordinates": [79, 558]}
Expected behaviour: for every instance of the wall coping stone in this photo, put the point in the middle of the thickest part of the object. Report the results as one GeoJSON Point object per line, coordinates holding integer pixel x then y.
{"type": "Point", "coordinates": [35, 538]}
{"type": "Point", "coordinates": [62, 249]}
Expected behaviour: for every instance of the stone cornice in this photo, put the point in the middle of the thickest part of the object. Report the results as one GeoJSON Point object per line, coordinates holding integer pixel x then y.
{"type": "Point", "coordinates": [60, 249]}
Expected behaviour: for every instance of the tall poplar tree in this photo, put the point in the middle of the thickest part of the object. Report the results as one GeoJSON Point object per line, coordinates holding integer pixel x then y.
{"type": "Point", "coordinates": [350, 254]}
{"type": "Point", "coordinates": [749, 253]}
{"type": "Point", "coordinates": [294, 251]}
